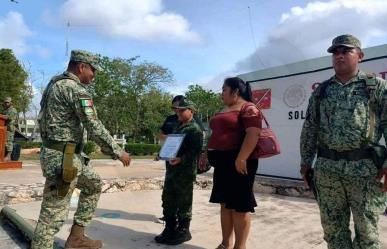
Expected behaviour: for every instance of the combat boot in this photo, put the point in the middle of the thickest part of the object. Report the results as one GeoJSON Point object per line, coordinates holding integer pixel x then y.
{"type": "Point", "coordinates": [182, 233]}
{"type": "Point", "coordinates": [78, 240]}
{"type": "Point", "coordinates": [169, 230]}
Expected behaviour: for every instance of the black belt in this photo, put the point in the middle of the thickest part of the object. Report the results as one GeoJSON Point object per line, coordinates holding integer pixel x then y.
{"type": "Point", "coordinates": [59, 146]}
{"type": "Point", "coordinates": [350, 155]}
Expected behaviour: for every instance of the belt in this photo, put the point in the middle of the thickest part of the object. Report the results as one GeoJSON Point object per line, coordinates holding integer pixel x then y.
{"type": "Point", "coordinates": [350, 155]}
{"type": "Point", "coordinates": [59, 146]}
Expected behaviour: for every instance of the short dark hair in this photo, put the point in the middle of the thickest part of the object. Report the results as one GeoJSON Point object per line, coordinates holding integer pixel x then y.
{"type": "Point", "coordinates": [237, 84]}
{"type": "Point", "coordinates": [177, 98]}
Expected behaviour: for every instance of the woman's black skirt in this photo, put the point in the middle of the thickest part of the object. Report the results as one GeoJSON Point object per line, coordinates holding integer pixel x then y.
{"type": "Point", "coordinates": [230, 187]}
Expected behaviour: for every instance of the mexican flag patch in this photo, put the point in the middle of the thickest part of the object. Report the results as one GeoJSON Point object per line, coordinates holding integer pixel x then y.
{"type": "Point", "coordinates": [86, 102]}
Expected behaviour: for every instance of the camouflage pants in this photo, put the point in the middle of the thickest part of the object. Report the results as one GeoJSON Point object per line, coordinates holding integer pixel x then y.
{"type": "Point", "coordinates": [177, 196]}
{"type": "Point", "coordinates": [9, 143]}
{"type": "Point", "coordinates": [55, 209]}
{"type": "Point", "coordinates": [344, 187]}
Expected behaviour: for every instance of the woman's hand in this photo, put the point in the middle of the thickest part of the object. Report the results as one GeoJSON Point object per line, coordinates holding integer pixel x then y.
{"type": "Point", "coordinates": [241, 166]}
{"type": "Point", "coordinates": [175, 161]}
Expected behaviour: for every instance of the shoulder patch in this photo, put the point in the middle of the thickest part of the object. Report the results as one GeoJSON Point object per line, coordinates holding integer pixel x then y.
{"type": "Point", "coordinates": [86, 102]}
{"type": "Point", "coordinates": [89, 111]}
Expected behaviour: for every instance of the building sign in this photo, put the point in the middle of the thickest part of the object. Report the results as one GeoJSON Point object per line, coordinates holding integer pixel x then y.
{"type": "Point", "coordinates": [262, 98]}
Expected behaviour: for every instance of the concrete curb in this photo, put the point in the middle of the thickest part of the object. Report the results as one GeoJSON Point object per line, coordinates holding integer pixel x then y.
{"type": "Point", "coordinates": [21, 224]}
{"type": "Point", "coordinates": [13, 194]}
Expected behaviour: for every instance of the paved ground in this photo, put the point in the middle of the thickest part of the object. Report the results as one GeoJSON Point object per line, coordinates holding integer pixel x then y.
{"type": "Point", "coordinates": [31, 172]}
{"type": "Point", "coordinates": [126, 220]}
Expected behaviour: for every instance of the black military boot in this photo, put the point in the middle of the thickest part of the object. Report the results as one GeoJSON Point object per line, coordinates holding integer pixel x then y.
{"type": "Point", "coordinates": [182, 233]}
{"type": "Point", "coordinates": [168, 232]}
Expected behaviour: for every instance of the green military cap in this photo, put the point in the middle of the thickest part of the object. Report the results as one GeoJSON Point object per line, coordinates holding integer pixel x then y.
{"type": "Point", "coordinates": [344, 41]}
{"type": "Point", "coordinates": [86, 57]}
{"type": "Point", "coordinates": [8, 99]}
{"type": "Point", "coordinates": [185, 104]}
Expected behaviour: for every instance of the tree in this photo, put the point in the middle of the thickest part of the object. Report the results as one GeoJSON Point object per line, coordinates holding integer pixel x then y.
{"type": "Point", "coordinates": [156, 106]}
{"type": "Point", "coordinates": [121, 95]}
{"type": "Point", "coordinates": [13, 81]}
{"type": "Point", "coordinates": [207, 102]}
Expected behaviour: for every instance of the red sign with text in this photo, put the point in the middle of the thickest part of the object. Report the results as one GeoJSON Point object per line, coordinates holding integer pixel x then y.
{"type": "Point", "coordinates": [262, 97]}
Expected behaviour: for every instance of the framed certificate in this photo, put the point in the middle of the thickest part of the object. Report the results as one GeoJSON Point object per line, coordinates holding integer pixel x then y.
{"type": "Point", "coordinates": [171, 146]}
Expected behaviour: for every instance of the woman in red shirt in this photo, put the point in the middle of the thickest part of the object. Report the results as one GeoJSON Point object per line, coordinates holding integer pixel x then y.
{"type": "Point", "coordinates": [231, 150]}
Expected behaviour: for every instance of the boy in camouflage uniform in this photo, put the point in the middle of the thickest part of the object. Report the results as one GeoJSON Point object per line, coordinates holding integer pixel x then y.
{"type": "Point", "coordinates": [11, 118]}
{"type": "Point", "coordinates": [339, 128]}
{"type": "Point", "coordinates": [179, 179]}
{"type": "Point", "coordinates": [66, 111]}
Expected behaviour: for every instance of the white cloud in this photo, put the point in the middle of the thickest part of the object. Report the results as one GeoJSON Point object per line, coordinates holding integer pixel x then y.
{"type": "Point", "coordinates": [306, 32]}
{"type": "Point", "coordinates": [134, 19]}
{"type": "Point", "coordinates": [14, 32]}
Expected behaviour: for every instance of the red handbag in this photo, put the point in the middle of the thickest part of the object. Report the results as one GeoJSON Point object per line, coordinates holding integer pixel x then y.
{"type": "Point", "coordinates": [268, 144]}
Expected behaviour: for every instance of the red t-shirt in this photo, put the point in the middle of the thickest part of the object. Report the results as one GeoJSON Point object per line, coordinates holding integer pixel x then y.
{"type": "Point", "coordinates": [228, 128]}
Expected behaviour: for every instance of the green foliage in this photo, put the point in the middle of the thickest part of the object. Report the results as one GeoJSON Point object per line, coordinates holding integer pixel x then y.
{"type": "Point", "coordinates": [142, 149]}
{"type": "Point", "coordinates": [128, 97]}
{"type": "Point", "coordinates": [29, 144]}
{"type": "Point", "coordinates": [89, 147]}
{"type": "Point", "coordinates": [13, 81]}
{"type": "Point", "coordinates": [207, 102]}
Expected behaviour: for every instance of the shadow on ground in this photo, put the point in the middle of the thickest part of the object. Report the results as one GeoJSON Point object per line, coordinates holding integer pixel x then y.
{"type": "Point", "coordinates": [118, 236]}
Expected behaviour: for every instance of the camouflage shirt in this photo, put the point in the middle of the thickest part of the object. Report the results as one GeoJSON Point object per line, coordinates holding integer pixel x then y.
{"type": "Point", "coordinates": [12, 118]}
{"type": "Point", "coordinates": [344, 117]}
{"type": "Point", "coordinates": [67, 110]}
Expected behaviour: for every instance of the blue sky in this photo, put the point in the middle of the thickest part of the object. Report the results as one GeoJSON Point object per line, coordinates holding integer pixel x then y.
{"type": "Point", "coordinates": [200, 41]}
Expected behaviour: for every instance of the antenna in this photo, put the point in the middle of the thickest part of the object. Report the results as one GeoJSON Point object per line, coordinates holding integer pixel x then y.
{"type": "Point", "coordinates": [67, 39]}
{"type": "Point", "coordinates": [253, 37]}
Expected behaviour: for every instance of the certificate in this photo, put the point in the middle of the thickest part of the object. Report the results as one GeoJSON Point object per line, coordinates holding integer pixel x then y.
{"type": "Point", "coordinates": [171, 146]}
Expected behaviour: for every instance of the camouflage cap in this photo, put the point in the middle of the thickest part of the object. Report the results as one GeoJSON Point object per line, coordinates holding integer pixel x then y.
{"type": "Point", "coordinates": [345, 41]}
{"type": "Point", "coordinates": [86, 57]}
{"type": "Point", "coordinates": [8, 99]}
{"type": "Point", "coordinates": [186, 104]}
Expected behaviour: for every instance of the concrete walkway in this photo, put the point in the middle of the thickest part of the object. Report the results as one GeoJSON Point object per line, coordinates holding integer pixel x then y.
{"type": "Point", "coordinates": [31, 172]}
{"type": "Point", "coordinates": [127, 220]}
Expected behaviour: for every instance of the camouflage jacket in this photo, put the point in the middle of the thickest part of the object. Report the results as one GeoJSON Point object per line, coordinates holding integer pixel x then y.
{"type": "Point", "coordinates": [67, 110]}
{"type": "Point", "coordinates": [12, 118]}
{"type": "Point", "coordinates": [188, 152]}
{"type": "Point", "coordinates": [344, 117]}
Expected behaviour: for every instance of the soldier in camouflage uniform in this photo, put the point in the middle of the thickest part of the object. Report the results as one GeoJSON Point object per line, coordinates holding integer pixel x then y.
{"type": "Point", "coordinates": [11, 119]}
{"type": "Point", "coordinates": [66, 111]}
{"type": "Point", "coordinates": [179, 179]}
{"type": "Point", "coordinates": [337, 128]}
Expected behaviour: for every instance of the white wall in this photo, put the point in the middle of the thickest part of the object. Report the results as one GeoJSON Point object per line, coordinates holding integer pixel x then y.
{"type": "Point", "coordinates": [289, 102]}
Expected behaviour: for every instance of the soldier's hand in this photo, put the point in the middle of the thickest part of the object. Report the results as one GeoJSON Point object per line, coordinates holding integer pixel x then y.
{"type": "Point", "coordinates": [175, 161]}
{"type": "Point", "coordinates": [304, 171]}
{"type": "Point", "coordinates": [125, 159]}
{"type": "Point", "coordinates": [383, 173]}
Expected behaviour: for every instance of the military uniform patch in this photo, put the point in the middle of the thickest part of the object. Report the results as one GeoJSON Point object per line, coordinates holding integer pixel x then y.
{"type": "Point", "coordinates": [86, 102]}
{"type": "Point", "coordinates": [89, 111]}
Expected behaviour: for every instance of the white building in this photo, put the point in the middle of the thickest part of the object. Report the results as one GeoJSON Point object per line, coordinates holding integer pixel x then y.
{"type": "Point", "coordinates": [285, 91]}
